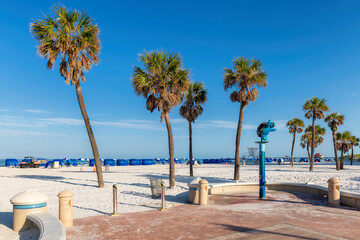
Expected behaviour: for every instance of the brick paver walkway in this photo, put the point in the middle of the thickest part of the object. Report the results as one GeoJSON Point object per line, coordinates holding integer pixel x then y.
{"type": "Point", "coordinates": [234, 216]}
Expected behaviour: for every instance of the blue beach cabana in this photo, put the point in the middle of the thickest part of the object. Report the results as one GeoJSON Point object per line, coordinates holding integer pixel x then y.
{"type": "Point", "coordinates": [135, 162]}
{"type": "Point", "coordinates": [11, 162]}
{"type": "Point", "coordinates": [148, 162]}
{"type": "Point", "coordinates": [122, 162]}
{"type": "Point", "coordinates": [110, 162]}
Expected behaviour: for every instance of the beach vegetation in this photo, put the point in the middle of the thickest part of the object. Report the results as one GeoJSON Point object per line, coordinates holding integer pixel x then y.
{"type": "Point", "coordinates": [244, 78]}
{"type": "Point", "coordinates": [306, 138]}
{"type": "Point", "coordinates": [343, 144]}
{"type": "Point", "coordinates": [295, 126]}
{"type": "Point", "coordinates": [354, 141]}
{"type": "Point", "coordinates": [191, 109]}
{"type": "Point", "coordinates": [314, 109]}
{"type": "Point", "coordinates": [73, 38]}
{"type": "Point", "coordinates": [334, 120]}
{"type": "Point", "coordinates": [163, 81]}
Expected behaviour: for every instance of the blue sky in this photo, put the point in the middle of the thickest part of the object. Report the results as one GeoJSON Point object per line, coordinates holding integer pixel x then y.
{"type": "Point", "coordinates": [308, 48]}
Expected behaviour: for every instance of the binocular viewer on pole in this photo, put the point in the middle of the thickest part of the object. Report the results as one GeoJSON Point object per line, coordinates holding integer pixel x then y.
{"type": "Point", "coordinates": [262, 131]}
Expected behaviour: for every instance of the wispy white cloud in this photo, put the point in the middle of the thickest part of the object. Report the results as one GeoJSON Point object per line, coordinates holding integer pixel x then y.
{"type": "Point", "coordinates": [131, 124]}
{"type": "Point", "coordinates": [63, 121]}
{"type": "Point", "coordinates": [17, 133]}
{"type": "Point", "coordinates": [4, 110]}
{"type": "Point", "coordinates": [12, 121]}
{"type": "Point", "coordinates": [178, 120]}
{"type": "Point", "coordinates": [36, 111]}
{"type": "Point", "coordinates": [280, 124]}
{"type": "Point", "coordinates": [134, 124]}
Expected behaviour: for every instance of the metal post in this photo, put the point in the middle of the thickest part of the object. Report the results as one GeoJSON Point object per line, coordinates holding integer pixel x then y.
{"type": "Point", "coordinates": [262, 182]}
{"type": "Point", "coordinates": [115, 201]}
{"type": "Point", "coordinates": [162, 207]}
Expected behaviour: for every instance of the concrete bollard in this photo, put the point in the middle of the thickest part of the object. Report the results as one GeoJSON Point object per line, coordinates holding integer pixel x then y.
{"type": "Point", "coordinates": [203, 192]}
{"type": "Point", "coordinates": [334, 192]}
{"type": "Point", "coordinates": [194, 190]}
{"type": "Point", "coordinates": [66, 208]}
{"type": "Point", "coordinates": [25, 203]}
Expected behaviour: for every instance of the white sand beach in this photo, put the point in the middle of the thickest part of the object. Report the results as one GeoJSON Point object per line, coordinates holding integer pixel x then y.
{"type": "Point", "coordinates": [134, 193]}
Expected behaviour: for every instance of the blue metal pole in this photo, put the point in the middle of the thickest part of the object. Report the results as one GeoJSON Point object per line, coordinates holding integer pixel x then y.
{"type": "Point", "coordinates": [262, 182]}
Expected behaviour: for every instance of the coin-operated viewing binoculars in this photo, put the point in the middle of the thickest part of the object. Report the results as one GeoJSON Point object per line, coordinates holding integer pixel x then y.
{"type": "Point", "coordinates": [262, 131]}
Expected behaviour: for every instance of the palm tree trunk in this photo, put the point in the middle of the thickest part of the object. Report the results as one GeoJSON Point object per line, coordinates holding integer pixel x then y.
{"type": "Point", "coordinates": [335, 151]}
{"type": "Point", "coordinates": [352, 155]}
{"type": "Point", "coordinates": [342, 159]}
{"type": "Point", "coordinates": [308, 151]}
{"type": "Point", "coordinates": [312, 144]}
{"type": "Point", "coordinates": [237, 145]}
{"type": "Point", "coordinates": [171, 152]}
{"type": "Point", "coordinates": [190, 150]}
{"type": "Point", "coordinates": [91, 136]}
{"type": "Point", "coordinates": [292, 150]}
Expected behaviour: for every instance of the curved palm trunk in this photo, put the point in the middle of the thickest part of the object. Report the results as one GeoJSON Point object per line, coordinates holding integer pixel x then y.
{"type": "Point", "coordinates": [238, 136]}
{"type": "Point", "coordinates": [171, 152]}
{"type": "Point", "coordinates": [91, 136]}
{"type": "Point", "coordinates": [292, 150]}
{"type": "Point", "coordinates": [352, 155]}
{"type": "Point", "coordinates": [190, 150]}
{"type": "Point", "coordinates": [312, 144]}
{"type": "Point", "coordinates": [335, 151]}
{"type": "Point", "coordinates": [342, 159]}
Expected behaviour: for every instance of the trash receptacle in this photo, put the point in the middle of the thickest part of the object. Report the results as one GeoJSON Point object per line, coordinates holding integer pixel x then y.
{"type": "Point", "coordinates": [155, 185]}
{"type": "Point", "coordinates": [194, 190]}
{"type": "Point", "coordinates": [107, 167]}
{"type": "Point", "coordinates": [25, 203]}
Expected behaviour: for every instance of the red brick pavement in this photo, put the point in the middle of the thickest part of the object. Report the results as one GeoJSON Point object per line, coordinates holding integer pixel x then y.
{"type": "Point", "coordinates": [226, 216]}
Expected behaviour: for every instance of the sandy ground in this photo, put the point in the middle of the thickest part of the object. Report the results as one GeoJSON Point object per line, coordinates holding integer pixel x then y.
{"type": "Point", "coordinates": [134, 193]}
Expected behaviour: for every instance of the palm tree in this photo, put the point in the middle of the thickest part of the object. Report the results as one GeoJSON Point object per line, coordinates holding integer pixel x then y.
{"type": "Point", "coordinates": [73, 37]}
{"type": "Point", "coordinates": [305, 142]}
{"type": "Point", "coordinates": [354, 141]}
{"type": "Point", "coordinates": [306, 138]}
{"type": "Point", "coordinates": [295, 126]}
{"type": "Point", "coordinates": [191, 109]}
{"type": "Point", "coordinates": [334, 120]}
{"type": "Point", "coordinates": [314, 108]}
{"type": "Point", "coordinates": [245, 76]}
{"type": "Point", "coordinates": [162, 81]}
{"type": "Point", "coordinates": [343, 144]}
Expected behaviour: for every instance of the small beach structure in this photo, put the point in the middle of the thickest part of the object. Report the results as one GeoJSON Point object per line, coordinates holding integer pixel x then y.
{"type": "Point", "coordinates": [71, 162]}
{"type": "Point", "coordinates": [11, 162]}
{"type": "Point", "coordinates": [148, 162]}
{"type": "Point", "coordinates": [122, 162]}
{"type": "Point", "coordinates": [110, 162]}
{"type": "Point", "coordinates": [135, 162]}
{"type": "Point", "coordinates": [91, 162]}
{"type": "Point", "coordinates": [160, 161]}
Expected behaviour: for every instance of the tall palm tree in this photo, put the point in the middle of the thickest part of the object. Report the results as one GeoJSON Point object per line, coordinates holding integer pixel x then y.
{"type": "Point", "coordinates": [245, 76]}
{"type": "Point", "coordinates": [162, 80]}
{"type": "Point", "coordinates": [73, 37]}
{"type": "Point", "coordinates": [295, 126]}
{"type": "Point", "coordinates": [334, 120]}
{"type": "Point", "coordinates": [343, 144]}
{"type": "Point", "coordinates": [306, 138]}
{"type": "Point", "coordinates": [191, 109]}
{"type": "Point", "coordinates": [354, 141]}
{"type": "Point", "coordinates": [314, 108]}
